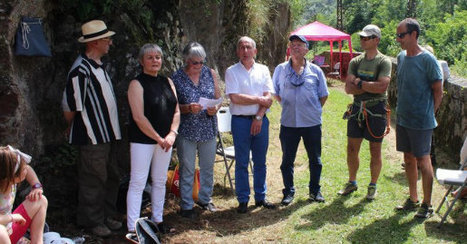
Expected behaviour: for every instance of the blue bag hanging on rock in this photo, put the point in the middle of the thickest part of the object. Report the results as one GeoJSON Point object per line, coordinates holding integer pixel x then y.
{"type": "Point", "coordinates": [30, 40]}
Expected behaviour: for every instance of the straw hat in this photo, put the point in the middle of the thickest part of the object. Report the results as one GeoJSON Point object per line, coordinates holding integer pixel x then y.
{"type": "Point", "coordinates": [93, 30]}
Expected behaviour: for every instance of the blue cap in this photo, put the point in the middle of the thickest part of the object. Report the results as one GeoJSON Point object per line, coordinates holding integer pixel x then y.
{"type": "Point", "coordinates": [299, 37]}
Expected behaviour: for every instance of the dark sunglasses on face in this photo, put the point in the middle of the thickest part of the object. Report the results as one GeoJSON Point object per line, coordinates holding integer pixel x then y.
{"type": "Point", "coordinates": [366, 38]}
{"type": "Point", "coordinates": [401, 35]}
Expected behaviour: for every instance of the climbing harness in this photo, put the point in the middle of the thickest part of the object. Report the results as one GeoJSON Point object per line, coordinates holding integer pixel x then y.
{"type": "Point", "coordinates": [363, 113]}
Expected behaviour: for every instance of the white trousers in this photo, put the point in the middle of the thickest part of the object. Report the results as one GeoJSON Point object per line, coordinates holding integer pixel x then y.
{"type": "Point", "coordinates": [143, 158]}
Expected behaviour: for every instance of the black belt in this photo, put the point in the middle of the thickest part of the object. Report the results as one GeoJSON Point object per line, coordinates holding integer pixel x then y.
{"type": "Point", "coordinates": [247, 116]}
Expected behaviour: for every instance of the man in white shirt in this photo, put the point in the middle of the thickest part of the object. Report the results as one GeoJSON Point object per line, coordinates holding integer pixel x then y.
{"type": "Point", "coordinates": [249, 87]}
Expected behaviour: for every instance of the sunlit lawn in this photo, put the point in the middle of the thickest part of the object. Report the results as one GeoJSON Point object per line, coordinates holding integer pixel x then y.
{"type": "Point", "coordinates": [353, 218]}
{"type": "Point", "coordinates": [350, 219]}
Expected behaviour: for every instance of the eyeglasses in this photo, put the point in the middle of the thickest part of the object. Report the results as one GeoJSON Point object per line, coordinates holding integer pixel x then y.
{"type": "Point", "coordinates": [196, 63]}
{"type": "Point", "coordinates": [107, 39]}
{"type": "Point", "coordinates": [298, 44]}
{"type": "Point", "coordinates": [401, 35]}
{"type": "Point", "coordinates": [366, 38]}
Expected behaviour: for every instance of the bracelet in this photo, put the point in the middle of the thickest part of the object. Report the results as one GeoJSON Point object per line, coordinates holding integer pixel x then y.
{"type": "Point", "coordinates": [174, 131]}
{"type": "Point", "coordinates": [11, 217]}
{"type": "Point", "coordinates": [36, 186]}
{"type": "Point", "coordinates": [360, 84]}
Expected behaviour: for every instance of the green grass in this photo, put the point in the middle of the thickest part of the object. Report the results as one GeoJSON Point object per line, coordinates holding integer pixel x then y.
{"type": "Point", "coordinates": [352, 219]}
{"type": "Point", "coordinates": [349, 219]}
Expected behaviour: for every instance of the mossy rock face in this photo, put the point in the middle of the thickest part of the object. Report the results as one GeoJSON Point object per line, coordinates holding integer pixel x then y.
{"type": "Point", "coordinates": [32, 86]}
{"type": "Point", "coordinates": [452, 129]}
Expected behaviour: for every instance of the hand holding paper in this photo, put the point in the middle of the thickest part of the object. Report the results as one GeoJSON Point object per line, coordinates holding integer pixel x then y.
{"type": "Point", "coordinates": [206, 102]}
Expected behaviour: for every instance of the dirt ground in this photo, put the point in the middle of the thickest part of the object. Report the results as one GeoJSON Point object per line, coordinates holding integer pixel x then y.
{"type": "Point", "coordinates": [225, 224]}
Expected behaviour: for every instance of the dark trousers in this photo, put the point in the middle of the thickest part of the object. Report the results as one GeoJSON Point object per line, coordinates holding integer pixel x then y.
{"type": "Point", "coordinates": [98, 184]}
{"type": "Point", "coordinates": [290, 138]}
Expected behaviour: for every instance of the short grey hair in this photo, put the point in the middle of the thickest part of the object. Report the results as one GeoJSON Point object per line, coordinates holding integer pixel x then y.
{"type": "Point", "coordinates": [149, 47]}
{"type": "Point", "coordinates": [246, 39]}
{"type": "Point", "coordinates": [193, 49]}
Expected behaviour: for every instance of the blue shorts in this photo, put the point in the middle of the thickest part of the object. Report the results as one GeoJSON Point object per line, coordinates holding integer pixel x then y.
{"type": "Point", "coordinates": [417, 142]}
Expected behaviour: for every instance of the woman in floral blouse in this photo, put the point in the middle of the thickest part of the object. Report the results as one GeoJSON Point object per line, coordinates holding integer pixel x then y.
{"type": "Point", "coordinates": [198, 127]}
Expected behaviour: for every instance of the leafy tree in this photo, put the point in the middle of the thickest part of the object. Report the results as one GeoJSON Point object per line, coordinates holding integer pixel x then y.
{"type": "Point", "coordinates": [388, 11]}
{"type": "Point", "coordinates": [449, 39]}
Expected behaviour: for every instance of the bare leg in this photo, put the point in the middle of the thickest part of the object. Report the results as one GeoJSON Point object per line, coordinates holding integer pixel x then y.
{"type": "Point", "coordinates": [37, 211]}
{"type": "Point", "coordinates": [411, 172]}
{"type": "Point", "coordinates": [4, 237]}
{"type": "Point", "coordinates": [353, 162]}
{"type": "Point", "coordinates": [376, 161]}
{"type": "Point", "coordinates": [427, 177]}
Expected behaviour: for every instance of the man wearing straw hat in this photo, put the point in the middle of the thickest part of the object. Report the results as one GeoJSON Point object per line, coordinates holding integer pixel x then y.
{"type": "Point", "coordinates": [90, 109]}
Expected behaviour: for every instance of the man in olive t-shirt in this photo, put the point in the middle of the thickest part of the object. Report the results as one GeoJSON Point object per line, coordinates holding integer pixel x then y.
{"type": "Point", "coordinates": [368, 79]}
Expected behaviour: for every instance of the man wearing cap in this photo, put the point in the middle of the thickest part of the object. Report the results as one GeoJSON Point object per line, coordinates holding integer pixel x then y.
{"type": "Point", "coordinates": [302, 91]}
{"type": "Point", "coordinates": [419, 94]}
{"type": "Point", "coordinates": [368, 79]}
{"type": "Point", "coordinates": [249, 87]}
{"type": "Point", "coordinates": [90, 109]}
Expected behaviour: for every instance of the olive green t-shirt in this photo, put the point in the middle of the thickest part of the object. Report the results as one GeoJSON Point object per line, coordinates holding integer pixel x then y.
{"type": "Point", "coordinates": [370, 70]}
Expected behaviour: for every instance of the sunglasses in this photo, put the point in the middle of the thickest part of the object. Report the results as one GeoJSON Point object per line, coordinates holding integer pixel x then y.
{"type": "Point", "coordinates": [366, 38]}
{"type": "Point", "coordinates": [196, 63]}
{"type": "Point", "coordinates": [401, 35]}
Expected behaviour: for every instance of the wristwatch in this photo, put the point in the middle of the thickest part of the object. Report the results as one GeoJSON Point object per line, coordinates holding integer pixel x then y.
{"type": "Point", "coordinates": [359, 85]}
{"type": "Point", "coordinates": [37, 185]}
{"type": "Point", "coordinates": [257, 117]}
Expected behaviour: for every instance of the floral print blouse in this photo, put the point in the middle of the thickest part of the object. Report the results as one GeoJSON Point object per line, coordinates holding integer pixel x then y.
{"type": "Point", "coordinates": [195, 127]}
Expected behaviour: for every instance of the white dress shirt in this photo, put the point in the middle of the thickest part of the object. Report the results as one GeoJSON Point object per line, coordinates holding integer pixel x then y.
{"type": "Point", "coordinates": [239, 80]}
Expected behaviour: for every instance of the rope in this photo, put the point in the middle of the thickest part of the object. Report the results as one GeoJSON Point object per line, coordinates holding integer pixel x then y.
{"type": "Point", "coordinates": [25, 31]}
{"type": "Point", "coordinates": [388, 121]}
{"type": "Point", "coordinates": [362, 114]}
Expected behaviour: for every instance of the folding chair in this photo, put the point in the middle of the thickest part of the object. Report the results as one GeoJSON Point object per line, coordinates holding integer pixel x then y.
{"type": "Point", "coordinates": [336, 73]}
{"type": "Point", "coordinates": [452, 178]}
{"type": "Point", "coordinates": [224, 126]}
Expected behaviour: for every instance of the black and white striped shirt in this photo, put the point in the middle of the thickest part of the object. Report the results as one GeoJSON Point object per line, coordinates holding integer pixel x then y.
{"type": "Point", "coordinates": [90, 94]}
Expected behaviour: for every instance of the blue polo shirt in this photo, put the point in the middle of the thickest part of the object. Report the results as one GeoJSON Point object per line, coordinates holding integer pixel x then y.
{"type": "Point", "coordinates": [300, 94]}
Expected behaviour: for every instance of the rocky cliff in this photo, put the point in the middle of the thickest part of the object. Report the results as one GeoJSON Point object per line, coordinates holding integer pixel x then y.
{"type": "Point", "coordinates": [31, 87]}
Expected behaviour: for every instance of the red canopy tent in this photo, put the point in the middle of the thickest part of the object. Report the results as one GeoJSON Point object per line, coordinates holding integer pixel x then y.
{"type": "Point", "coordinates": [317, 31]}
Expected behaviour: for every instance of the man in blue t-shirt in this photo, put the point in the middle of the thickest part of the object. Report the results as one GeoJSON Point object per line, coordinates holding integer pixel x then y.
{"type": "Point", "coordinates": [419, 95]}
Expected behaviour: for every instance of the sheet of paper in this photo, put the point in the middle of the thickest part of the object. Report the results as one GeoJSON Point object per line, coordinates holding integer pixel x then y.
{"type": "Point", "coordinates": [206, 102]}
